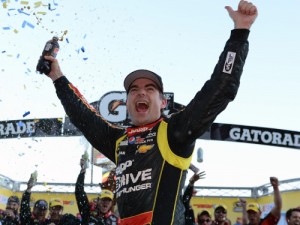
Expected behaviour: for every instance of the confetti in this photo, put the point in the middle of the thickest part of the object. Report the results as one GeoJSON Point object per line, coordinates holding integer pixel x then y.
{"type": "Point", "coordinates": [20, 124]}
{"type": "Point", "coordinates": [49, 7]}
{"type": "Point", "coordinates": [26, 113]}
{"type": "Point", "coordinates": [37, 4]}
{"type": "Point", "coordinates": [82, 49]}
{"type": "Point", "coordinates": [22, 12]}
{"type": "Point", "coordinates": [27, 23]}
{"type": "Point", "coordinates": [42, 13]}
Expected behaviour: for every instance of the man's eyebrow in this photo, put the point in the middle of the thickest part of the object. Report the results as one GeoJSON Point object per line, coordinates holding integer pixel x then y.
{"type": "Point", "coordinates": [147, 85]}
{"type": "Point", "coordinates": [151, 85]}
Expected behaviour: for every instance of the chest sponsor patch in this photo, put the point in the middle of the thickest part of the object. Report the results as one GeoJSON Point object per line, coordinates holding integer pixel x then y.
{"type": "Point", "coordinates": [144, 148]}
{"type": "Point", "coordinates": [131, 140]}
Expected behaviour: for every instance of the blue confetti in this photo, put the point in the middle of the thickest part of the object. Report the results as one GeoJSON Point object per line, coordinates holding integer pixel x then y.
{"type": "Point", "coordinates": [85, 58]}
{"type": "Point", "coordinates": [26, 114]}
{"type": "Point", "coordinates": [49, 7]}
{"type": "Point", "coordinates": [67, 40]}
{"type": "Point", "coordinates": [20, 124]}
{"type": "Point", "coordinates": [27, 23]}
{"type": "Point", "coordinates": [82, 49]}
{"type": "Point", "coordinates": [21, 11]}
{"type": "Point", "coordinates": [6, 28]}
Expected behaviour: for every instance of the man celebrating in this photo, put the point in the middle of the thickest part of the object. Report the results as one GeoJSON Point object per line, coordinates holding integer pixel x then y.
{"type": "Point", "coordinates": [252, 211]}
{"type": "Point", "coordinates": [104, 207]}
{"type": "Point", "coordinates": [11, 213]}
{"type": "Point", "coordinates": [153, 154]}
{"type": "Point", "coordinates": [56, 216]}
{"type": "Point", "coordinates": [40, 208]}
{"type": "Point", "coordinates": [292, 216]}
{"type": "Point", "coordinates": [98, 212]}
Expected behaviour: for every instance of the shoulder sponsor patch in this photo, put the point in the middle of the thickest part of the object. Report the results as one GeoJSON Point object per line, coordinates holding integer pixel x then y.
{"type": "Point", "coordinates": [229, 62]}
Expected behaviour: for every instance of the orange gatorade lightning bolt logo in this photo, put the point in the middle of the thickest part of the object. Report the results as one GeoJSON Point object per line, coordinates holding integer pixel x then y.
{"type": "Point", "coordinates": [144, 148]}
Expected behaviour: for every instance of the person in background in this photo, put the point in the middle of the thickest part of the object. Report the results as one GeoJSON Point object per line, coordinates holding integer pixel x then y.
{"type": "Point", "coordinates": [91, 213]}
{"type": "Point", "coordinates": [56, 216]}
{"type": "Point", "coordinates": [40, 208]}
{"type": "Point", "coordinates": [220, 214]}
{"type": "Point", "coordinates": [253, 210]}
{"type": "Point", "coordinates": [204, 218]}
{"type": "Point", "coordinates": [110, 184]}
{"type": "Point", "coordinates": [10, 216]}
{"type": "Point", "coordinates": [188, 193]}
{"type": "Point", "coordinates": [292, 216]}
{"type": "Point", "coordinates": [104, 207]}
{"type": "Point", "coordinates": [153, 154]}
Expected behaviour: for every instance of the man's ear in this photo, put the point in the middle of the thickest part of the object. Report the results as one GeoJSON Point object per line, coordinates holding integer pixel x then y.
{"type": "Point", "coordinates": [164, 103]}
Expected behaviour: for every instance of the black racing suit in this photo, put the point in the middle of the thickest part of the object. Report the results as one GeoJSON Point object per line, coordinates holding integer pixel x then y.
{"type": "Point", "coordinates": [83, 203]}
{"type": "Point", "coordinates": [26, 217]}
{"type": "Point", "coordinates": [84, 208]}
{"type": "Point", "coordinates": [151, 159]}
{"type": "Point", "coordinates": [5, 219]}
{"type": "Point", "coordinates": [65, 219]}
{"type": "Point", "coordinates": [189, 212]}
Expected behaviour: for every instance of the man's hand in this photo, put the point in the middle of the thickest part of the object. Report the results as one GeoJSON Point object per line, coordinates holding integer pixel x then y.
{"type": "Point", "coordinates": [243, 202]}
{"type": "Point", "coordinates": [274, 182]}
{"type": "Point", "coordinates": [30, 183]}
{"type": "Point", "coordinates": [244, 16]}
{"type": "Point", "coordinates": [83, 165]}
{"type": "Point", "coordinates": [55, 69]}
{"type": "Point", "coordinates": [197, 176]}
{"type": "Point", "coordinates": [9, 213]}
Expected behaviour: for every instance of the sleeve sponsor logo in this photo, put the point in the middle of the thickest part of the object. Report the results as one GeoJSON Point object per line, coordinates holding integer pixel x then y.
{"type": "Point", "coordinates": [228, 65]}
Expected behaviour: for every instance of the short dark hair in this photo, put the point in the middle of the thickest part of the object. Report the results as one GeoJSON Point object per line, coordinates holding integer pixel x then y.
{"type": "Point", "coordinates": [204, 212]}
{"type": "Point", "coordinates": [41, 204]}
{"type": "Point", "coordinates": [290, 212]}
{"type": "Point", "coordinates": [14, 198]}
